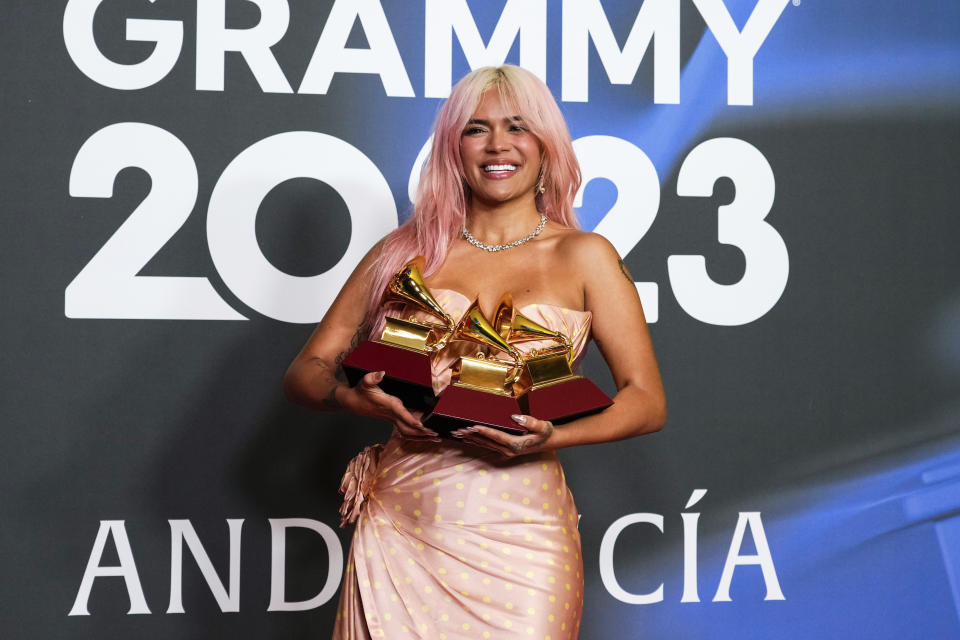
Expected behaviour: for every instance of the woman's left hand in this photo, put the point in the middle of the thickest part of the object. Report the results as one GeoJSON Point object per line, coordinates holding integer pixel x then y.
{"type": "Point", "coordinates": [539, 431]}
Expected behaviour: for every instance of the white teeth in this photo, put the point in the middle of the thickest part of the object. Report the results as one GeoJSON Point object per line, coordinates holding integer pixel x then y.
{"type": "Point", "coordinates": [500, 167]}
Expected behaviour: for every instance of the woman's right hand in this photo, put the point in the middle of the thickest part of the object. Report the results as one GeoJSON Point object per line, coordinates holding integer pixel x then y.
{"type": "Point", "coordinates": [368, 399]}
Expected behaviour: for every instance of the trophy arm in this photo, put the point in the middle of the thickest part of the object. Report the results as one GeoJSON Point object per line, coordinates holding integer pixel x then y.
{"type": "Point", "coordinates": [517, 365]}
{"type": "Point", "coordinates": [451, 326]}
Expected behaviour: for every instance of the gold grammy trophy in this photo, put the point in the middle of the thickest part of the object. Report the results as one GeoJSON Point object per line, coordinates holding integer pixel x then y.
{"type": "Point", "coordinates": [551, 390]}
{"type": "Point", "coordinates": [405, 346]}
{"type": "Point", "coordinates": [484, 389]}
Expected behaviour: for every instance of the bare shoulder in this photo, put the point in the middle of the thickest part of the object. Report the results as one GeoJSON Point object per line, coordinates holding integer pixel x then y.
{"type": "Point", "coordinates": [586, 247]}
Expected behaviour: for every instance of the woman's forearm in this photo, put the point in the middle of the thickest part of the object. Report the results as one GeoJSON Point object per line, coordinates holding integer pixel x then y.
{"type": "Point", "coordinates": [634, 412]}
{"type": "Point", "coordinates": [316, 383]}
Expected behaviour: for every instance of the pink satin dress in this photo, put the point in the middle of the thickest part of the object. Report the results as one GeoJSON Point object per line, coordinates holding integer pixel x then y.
{"type": "Point", "coordinates": [454, 541]}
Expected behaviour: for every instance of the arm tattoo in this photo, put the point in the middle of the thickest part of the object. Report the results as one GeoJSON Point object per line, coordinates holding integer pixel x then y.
{"type": "Point", "coordinates": [337, 377]}
{"type": "Point", "coordinates": [331, 399]}
{"type": "Point", "coordinates": [623, 270]}
{"type": "Point", "coordinates": [354, 341]}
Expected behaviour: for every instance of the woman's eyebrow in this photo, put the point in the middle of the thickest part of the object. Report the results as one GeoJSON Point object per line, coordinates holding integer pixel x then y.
{"type": "Point", "coordinates": [487, 123]}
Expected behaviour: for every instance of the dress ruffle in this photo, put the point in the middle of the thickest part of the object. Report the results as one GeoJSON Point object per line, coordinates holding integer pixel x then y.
{"type": "Point", "coordinates": [357, 483]}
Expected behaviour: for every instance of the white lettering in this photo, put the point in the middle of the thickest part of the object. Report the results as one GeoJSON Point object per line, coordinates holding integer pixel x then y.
{"type": "Point", "coordinates": [127, 569]}
{"type": "Point", "coordinates": [214, 40]}
{"type": "Point", "coordinates": [762, 558]}
{"type": "Point", "coordinates": [690, 593]}
{"type": "Point", "coordinates": [332, 55]}
{"type": "Point", "coordinates": [236, 198]}
{"type": "Point", "coordinates": [740, 46]}
{"type": "Point", "coordinates": [278, 564]}
{"type": "Point", "coordinates": [741, 224]}
{"type": "Point", "coordinates": [82, 48]}
{"type": "Point", "coordinates": [607, 574]}
{"type": "Point", "coordinates": [525, 20]}
{"type": "Point", "coordinates": [658, 20]}
{"type": "Point", "coordinates": [182, 531]}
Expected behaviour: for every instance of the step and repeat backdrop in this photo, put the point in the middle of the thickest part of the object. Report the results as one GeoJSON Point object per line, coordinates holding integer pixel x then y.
{"type": "Point", "coordinates": [187, 183]}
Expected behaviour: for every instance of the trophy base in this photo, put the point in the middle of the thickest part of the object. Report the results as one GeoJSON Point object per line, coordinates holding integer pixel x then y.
{"type": "Point", "coordinates": [462, 407]}
{"type": "Point", "coordinates": [566, 400]}
{"type": "Point", "coordinates": [407, 372]}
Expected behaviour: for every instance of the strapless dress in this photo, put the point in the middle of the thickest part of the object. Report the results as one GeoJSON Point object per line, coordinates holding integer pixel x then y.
{"type": "Point", "coordinates": [455, 541]}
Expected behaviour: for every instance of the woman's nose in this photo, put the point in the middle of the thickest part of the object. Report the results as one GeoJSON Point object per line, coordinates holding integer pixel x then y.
{"type": "Point", "coordinates": [497, 140]}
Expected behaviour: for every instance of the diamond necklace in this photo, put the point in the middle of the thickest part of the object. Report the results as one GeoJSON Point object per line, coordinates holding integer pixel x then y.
{"type": "Point", "coordinates": [510, 245]}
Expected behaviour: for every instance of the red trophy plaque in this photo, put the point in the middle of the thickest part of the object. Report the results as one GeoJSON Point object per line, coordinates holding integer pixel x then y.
{"type": "Point", "coordinates": [483, 389]}
{"type": "Point", "coordinates": [405, 346]}
{"type": "Point", "coordinates": [554, 392]}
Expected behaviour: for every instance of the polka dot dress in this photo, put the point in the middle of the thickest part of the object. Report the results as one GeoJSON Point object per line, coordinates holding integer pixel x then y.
{"type": "Point", "coordinates": [454, 541]}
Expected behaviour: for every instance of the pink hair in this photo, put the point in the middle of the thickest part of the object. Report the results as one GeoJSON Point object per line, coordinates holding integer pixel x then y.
{"type": "Point", "coordinates": [442, 196]}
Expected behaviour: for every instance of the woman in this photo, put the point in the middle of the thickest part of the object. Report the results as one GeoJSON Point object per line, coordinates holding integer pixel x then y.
{"type": "Point", "coordinates": [477, 538]}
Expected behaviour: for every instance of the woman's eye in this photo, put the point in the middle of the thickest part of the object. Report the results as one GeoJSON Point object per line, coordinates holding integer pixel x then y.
{"type": "Point", "coordinates": [473, 131]}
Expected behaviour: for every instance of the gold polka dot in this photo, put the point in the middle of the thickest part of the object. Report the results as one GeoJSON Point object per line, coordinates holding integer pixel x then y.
{"type": "Point", "coordinates": [509, 605]}
{"type": "Point", "coordinates": [526, 501]}
{"type": "Point", "coordinates": [417, 529]}
{"type": "Point", "coordinates": [416, 494]}
{"type": "Point", "coordinates": [438, 499]}
{"type": "Point", "coordinates": [417, 512]}
{"type": "Point", "coordinates": [398, 507]}
{"type": "Point", "coordinates": [483, 509]}
{"type": "Point", "coordinates": [544, 486]}
{"type": "Point", "coordinates": [438, 517]}
{"type": "Point", "coordinates": [526, 481]}
{"type": "Point", "coordinates": [465, 626]}
{"type": "Point", "coordinates": [459, 485]}
{"type": "Point", "coordinates": [505, 476]}
{"type": "Point", "coordinates": [436, 481]}
{"type": "Point", "coordinates": [459, 467]}
{"type": "Point", "coordinates": [428, 589]}
{"type": "Point", "coordinates": [483, 490]}
{"type": "Point", "coordinates": [444, 617]}
{"type": "Point", "coordinates": [505, 514]}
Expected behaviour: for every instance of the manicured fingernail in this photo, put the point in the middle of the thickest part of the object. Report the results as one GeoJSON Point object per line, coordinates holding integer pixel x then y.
{"type": "Point", "coordinates": [518, 418]}
{"type": "Point", "coordinates": [456, 434]}
{"type": "Point", "coordinates": [381, 374]}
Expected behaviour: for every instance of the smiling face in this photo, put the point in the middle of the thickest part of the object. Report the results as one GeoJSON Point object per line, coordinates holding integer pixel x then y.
{"type": "Point", "coordinates": [501, 158]}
